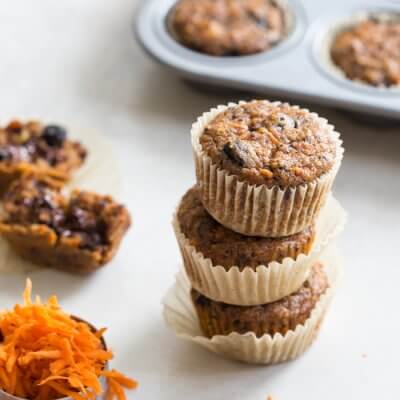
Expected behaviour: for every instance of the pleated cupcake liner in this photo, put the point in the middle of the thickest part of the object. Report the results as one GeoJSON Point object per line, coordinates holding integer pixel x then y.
{"type": "Point", "coordinates": [265, 283]}
{"type": "Point", "coordinates": [257, 210]}
{"type": "Point", "coordinates": [181, 317]}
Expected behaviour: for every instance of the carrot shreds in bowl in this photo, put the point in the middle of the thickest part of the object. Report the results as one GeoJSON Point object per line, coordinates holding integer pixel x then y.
{"type": "Point", "coordinates": [46, 354]}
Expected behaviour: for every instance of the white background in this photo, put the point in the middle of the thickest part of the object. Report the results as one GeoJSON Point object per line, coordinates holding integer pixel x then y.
{"type": "Point", "coordinates": [75, 62]}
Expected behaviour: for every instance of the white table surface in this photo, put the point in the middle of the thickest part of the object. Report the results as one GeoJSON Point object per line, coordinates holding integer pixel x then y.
{"type": "Point", "coordinates": [75, 62]}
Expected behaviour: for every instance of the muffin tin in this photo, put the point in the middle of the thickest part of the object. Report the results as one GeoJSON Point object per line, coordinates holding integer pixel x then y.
{"type": "Point", "coordinates": [299, 67]}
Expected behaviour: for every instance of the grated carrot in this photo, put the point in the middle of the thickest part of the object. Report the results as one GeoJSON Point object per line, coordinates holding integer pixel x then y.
{"type": "Point", "coordinates": [45, 354]}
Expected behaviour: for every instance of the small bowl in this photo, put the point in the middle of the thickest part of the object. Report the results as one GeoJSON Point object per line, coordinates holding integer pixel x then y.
{"type": "Point", "coordinates": [6, 396]}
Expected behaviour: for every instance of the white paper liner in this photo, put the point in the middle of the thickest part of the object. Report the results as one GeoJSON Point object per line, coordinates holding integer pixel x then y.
{"type": "Point", "coordinates": [265, 284]}
{"type": "Point", "coordinates": [181, 317]}
{"type": "Point", "coordinates": [99, 173]}
{"type": "Point", "coordinates": [256, 210]}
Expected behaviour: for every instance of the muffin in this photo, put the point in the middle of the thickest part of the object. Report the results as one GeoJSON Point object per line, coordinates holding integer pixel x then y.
{"type": "Point", "coordinates": [281, 316]}
{"type": "Point", "coordinates": [219, 262]}
{"type": "Point", "coordinates": [369, 52]}
{"type": "Point", "coordinates": [78, 234]}
{"type": "Point", "coordinates": [264, 169]}
{"type": "Point", "coordinates": [228, 248]}
{"type": "Point", "coordinates": [229, 27]}
{"type": "Point", "coordinates": [32, 147]}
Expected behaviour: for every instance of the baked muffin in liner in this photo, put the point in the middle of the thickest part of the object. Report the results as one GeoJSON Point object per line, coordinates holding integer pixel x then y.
{"type": "Point", "coordinates": [256, 209]}
{"type": "Point", "coordinates": [266, 283]}
{"type": "Point", "coordinates": [181, 317]}
{"type": "Point", "coordinates": [281, 316]}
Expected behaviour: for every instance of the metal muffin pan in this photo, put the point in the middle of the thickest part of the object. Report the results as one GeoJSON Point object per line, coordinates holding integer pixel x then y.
{"type": "Point", "coordinates": [299, 67]}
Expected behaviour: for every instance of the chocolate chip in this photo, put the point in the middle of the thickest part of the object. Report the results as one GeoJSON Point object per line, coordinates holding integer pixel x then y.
{"type": "Point", "coordinates": [54, 135]}
{"type": "Point", "coordinates": [89, 241]}
{"type": "Point", "coordinates": [82, 219]}
{"type": "Point", "coordinates": [241, 153]}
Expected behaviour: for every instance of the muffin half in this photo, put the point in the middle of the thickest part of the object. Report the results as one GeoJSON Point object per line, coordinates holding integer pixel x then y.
{"type": "Point", "coordinates": [264, 169]}
{"type": "Point", "coordinates": [34, 148]}
{"type": "Point", "coordinates": [78, 234]}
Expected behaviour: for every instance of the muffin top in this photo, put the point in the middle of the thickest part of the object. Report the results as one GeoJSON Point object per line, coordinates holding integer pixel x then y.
{"type": "Point", "coordinates": [277, 317]}
{"type": "Point", "coordinates": [270, 143]}
{"type": "Point", "coordinates": [228, 248]}
{"type": "Point", "coordinates": [369, 52]}
{"type": "Point", "coordinates": [228, 27]}
{"type": "Point", "coordinates": [35, 143]}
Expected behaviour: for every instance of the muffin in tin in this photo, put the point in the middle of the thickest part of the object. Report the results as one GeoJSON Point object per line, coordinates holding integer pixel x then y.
{"type": "Point", "coordinates": [284, 315]}
{"type": "Point", "coordinates": [264, 169]}
{"type": "Point", "coordinates": [229, 27]}
{"type": "Point", "coordinates": [32, 147]}
{"type": "Point", "coordinates": [369, 51]}
{"type": "Point", "coordinates": [227, 248]}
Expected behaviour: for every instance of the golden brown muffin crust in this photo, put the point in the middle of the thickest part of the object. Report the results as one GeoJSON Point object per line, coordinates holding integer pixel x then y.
{"type": "Point", "coordinates": [228, 248]}
{"type": "Point", "coordinates": [81, 232]}
{"type": "Point", "coordinates": [370, 52]}
{"type": "Point", "coordinates": [279, 317]}
{"type": "Point", "coordinates": [271, 144]}
{"type": "Point", "coordinates": [32, 147]}
{"type": "Point", "coordinates": [228, 27]}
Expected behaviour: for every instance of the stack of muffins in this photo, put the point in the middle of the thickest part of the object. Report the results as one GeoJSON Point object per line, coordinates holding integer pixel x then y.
{"type": "Point", "coordinates": [253, 229]}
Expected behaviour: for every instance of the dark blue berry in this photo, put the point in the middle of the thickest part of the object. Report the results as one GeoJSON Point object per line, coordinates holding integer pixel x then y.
{"type": "Point", "coordinates": [54, 135]}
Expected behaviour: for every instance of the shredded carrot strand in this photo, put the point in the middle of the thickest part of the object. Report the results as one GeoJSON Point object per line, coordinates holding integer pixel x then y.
{"type": "Point", "coordinates": [46, 354]}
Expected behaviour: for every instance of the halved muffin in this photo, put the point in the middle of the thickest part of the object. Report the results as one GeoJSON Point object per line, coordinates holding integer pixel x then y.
{"type": "Point", "coordinates": [32, 147]}
{"type": "Point", "coordinates": [79, 233]}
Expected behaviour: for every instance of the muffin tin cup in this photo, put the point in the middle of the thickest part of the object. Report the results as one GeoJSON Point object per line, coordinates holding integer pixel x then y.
{"type": "Point", "coordinates": [181, 316]}
{"type": "Point", "coordinates": [257, 210]}
{"type": "Point", "coordinates": [325, 39]}
{"type": "Point", "coordinates": [266, 283]}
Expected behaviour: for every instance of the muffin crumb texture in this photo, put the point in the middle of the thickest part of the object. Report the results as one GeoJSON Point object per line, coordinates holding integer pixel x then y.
{"type": "Point", "coordinates": [271, 144]}
{"type": "Point", "coordinates": [227, 248]}
{"type": "Point", "coordinates": [369, 52]}
{"type": "Point", "coordinates": [80, 233]}
{"type": "Point", "coordinates": [32, 147]}
{"type": "Point", "coordinates": [228, 27]}
{"type": "Point", "coordinates": [218, 318]}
